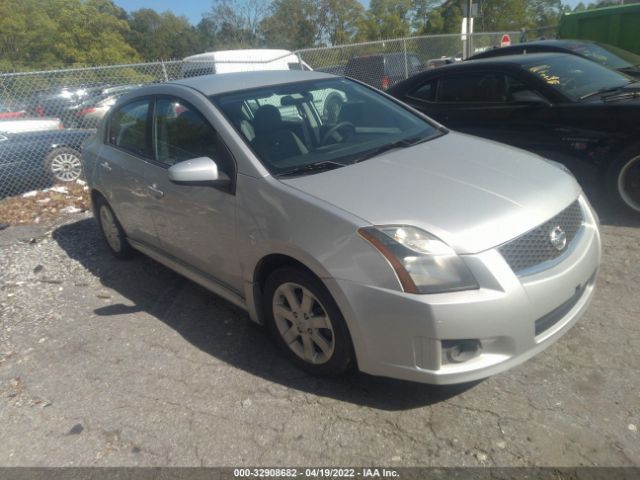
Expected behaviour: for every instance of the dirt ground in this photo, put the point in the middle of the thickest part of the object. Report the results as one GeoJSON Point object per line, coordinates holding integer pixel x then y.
{"type": "Point", "coordinates": [109, 363]}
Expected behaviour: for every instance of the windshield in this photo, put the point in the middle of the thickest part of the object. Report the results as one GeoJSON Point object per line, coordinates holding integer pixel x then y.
{"type": "Point", "coordinates": [327, 123]}
{"type": "Point", "coordinates": [576, 77]}
{"type": "Point", "coordinates": [608, 55]}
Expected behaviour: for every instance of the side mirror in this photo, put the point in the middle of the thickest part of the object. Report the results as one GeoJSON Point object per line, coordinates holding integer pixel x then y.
{"type": "Point", "coordinates": [198, 171]}
{"type": "Point", "coordinates": [528, 97]}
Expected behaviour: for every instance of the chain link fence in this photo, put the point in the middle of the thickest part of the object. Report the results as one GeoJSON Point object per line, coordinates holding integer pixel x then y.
{"type": "Point", "coordinates": [46, 116]}
{"type": "Point", "coordinates": [386, 62]}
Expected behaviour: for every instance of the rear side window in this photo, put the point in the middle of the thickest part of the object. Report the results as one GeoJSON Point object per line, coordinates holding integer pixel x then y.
{"type": "Point", "coordinates": [129, 128]}
{"type": "Point", "coordinates": [474, 87]}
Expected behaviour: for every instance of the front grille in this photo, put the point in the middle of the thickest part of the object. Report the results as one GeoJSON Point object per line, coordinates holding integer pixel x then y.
{"type": "Point", "coordinates": [535, 247]}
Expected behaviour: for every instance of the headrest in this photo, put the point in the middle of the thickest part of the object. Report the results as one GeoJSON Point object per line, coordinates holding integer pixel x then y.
{"type": "Point", "coordinates": [267, 119]}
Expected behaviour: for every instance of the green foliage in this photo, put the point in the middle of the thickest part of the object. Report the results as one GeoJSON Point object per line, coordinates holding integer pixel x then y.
{"type": "Point", "coordinates": [292, 24]}
{"type": "Point", "coordinates": [386, 19]}
{"type": "Point", "coordinates": [158, 36]}
{"type": "Point", "coordinates": [42, 34]}
{"type": "Point", "coordinates": [338, 20]}
{"type": "Point", "coordinates": [53, 33]}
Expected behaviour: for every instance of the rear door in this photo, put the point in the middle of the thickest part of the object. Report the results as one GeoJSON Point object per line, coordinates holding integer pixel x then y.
{"type": "Point", "coordinates": [126, 172]}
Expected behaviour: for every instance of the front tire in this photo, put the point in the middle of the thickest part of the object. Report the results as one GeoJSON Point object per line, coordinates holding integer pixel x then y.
{"type": "Point", "coordinates": [64, 164]}
{"type": "Point", "coordinates": [623, 181]}
{"type": "Point", "coordinates": [306, 323]}
{"type": "Point", "coordinates": [112, 231]}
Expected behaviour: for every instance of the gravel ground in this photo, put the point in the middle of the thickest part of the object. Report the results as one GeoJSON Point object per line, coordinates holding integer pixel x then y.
{"type": "Point", "coordinates": [109, 363]}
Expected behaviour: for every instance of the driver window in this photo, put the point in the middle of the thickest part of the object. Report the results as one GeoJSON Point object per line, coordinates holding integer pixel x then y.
{"type": "Point", "coordinates": [182, 133]}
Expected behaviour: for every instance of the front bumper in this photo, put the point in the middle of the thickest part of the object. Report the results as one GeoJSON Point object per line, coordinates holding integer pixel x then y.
{"type": "Point", "coordinates": [401, 335]}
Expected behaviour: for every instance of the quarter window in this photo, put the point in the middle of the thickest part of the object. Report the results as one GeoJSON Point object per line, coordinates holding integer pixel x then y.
{"type": "Point", "coordinates": [128, 128]}
{"type": "Point", "coordinates": [182, 133]}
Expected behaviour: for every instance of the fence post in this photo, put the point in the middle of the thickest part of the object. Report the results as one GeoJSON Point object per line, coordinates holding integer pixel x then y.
{"type": "Point", "coordinates": [406, 68]}
{"type": "Point", "coordinates": [164, 71]}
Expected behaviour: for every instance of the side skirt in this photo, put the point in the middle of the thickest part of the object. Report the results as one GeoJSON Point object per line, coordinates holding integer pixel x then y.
{"type": "Point", "coordinates": [200, 278]}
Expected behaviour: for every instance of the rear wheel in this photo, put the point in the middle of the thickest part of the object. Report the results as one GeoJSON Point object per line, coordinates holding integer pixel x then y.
{"type": "Point", "coordinates": [306, 322]}
{"type": "Point", "coordinates": [64, 164]}
{"type": "Point", "coordinates": [111, 230]}
{"type": "Point", "coordinates": [623, 181]}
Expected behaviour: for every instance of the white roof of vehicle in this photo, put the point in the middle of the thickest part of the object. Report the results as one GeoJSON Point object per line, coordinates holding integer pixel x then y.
{"type": "Point", "coordinates": [231, 82]}
{"type": "Point", "coordinates": [240, 55]}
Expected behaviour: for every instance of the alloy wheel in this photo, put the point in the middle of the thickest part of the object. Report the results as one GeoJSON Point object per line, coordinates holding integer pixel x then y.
{"type": "Point", "coordinates": [303, 323]}
{"type": "Point", "coordinates": [66, 167]}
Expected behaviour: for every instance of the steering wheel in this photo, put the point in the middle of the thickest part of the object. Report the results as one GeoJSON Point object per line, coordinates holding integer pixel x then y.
{"type": "Point", "coordinates": [334, 132]}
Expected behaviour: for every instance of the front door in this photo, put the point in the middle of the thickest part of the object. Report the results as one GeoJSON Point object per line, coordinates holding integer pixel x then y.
{"type": "Point", "coordinates": [196, 224]}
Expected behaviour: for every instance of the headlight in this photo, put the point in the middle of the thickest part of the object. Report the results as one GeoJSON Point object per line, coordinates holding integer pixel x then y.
{"type": "Point", "coordinates": [423, 263]}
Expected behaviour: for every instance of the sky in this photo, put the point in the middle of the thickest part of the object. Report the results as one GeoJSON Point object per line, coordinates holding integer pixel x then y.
{"type": "Point", "coordinates": [193, 9]}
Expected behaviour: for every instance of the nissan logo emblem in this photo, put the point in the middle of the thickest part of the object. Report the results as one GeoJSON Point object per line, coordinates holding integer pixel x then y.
{"type": "Point", "coordinates": [558, 238]}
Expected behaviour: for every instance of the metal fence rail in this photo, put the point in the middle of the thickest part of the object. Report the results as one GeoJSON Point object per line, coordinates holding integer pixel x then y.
{"type": "Point", "coordinates": [45, 116]}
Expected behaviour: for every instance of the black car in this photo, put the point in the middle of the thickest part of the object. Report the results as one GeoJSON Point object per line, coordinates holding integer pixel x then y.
{"type": "Point", "coordinates": [607, 55]}
{"type": "Point", "coordinates": [561, 106]}
{"type": "Point", "coordinates": [34, 159]}
{"type": "Point", "coordinates": [383, 70]}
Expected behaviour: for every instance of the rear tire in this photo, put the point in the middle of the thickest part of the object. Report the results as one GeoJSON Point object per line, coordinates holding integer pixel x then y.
{"type": "Point", "coordinates": [112, 231]}
{"type": "Point", "coordinates": [623, 181]}
{"type": "Point", "coordinates": [306, 323]}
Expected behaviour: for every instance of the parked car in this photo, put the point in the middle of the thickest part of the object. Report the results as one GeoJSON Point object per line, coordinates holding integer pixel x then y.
{"type": "Point", "coordinates": [23, 124]}
{"type": "Point", "coordinates": [89, 113]}
{"type": "Point", "coordinates": [8, 112]}
{"type": "Point", "coordinates": [241, 60]}
{"type": "Point", "coordinates": [31, 160]}
{"type": "Point", "coordinates": [383, 70]}
{"type": "Point", "coordinates": [607, 55]}
{"type": "Point", "coordinates": [561, 106]}
{"type": "Point", "coordinates": [439, 62]}
{"type": "Point", "coordinates": [382, 241]}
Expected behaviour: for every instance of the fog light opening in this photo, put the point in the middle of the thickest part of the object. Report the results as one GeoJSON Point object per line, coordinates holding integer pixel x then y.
{"type": "Point", "coordinates": [459, 351]}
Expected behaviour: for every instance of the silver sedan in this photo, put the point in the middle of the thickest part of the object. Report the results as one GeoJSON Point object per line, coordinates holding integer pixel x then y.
{"type": "Point", "coordinates": [373, 238]}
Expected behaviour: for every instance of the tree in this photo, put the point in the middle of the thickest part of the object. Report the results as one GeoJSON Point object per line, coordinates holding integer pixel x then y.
{"type": "Point", "coordinates": [338, 20]}
{"type": "Point", "coordinates": [544, 12]}
{"type": "Point", "coordinates": [292, 24]}
{"type": "Point", "coordinates": [422, 11]}
{"type": "Point", "coordinates": [386, 19]}
{"type": "Point", "coordinates": [162, 36]}
{"type": "Point", "coordinates": [36, 34]}
{"type": "Point", "coordinates": [234, 23]}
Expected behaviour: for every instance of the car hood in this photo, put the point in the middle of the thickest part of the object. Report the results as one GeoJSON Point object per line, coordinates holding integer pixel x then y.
{"type": "Point", "coordinates": [473, 194]}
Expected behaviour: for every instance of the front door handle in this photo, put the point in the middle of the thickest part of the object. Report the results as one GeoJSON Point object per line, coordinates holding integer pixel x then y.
{"type": "Point", "coordinates": [106, 166]}
{"type": "Point", "coordinates": [155, 192]}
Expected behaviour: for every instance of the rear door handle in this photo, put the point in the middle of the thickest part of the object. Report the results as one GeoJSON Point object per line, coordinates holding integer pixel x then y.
{"type": "Point", "coordinates": [155, 192]}
{"type": "Point", "coordinates": [106, 166]}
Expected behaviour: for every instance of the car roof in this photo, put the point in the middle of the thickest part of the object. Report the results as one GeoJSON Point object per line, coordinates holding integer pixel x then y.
{"type": "Point", "coordinates": [232, 82]}
{"type": "Point", "coordinates": [555, 42]}
{"type": "Point", "coordinates": [506, 60]}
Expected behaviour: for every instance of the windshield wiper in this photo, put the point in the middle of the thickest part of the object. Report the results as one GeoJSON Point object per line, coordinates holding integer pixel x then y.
{"type": "Point", "coordinates": [602, 91]}
{"type": "Point", "coordinates": [631, 94]}
{"type": "Point", "coordinates": [311, 168]}
{"type": "Point", "coordinates": [407, 142]}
